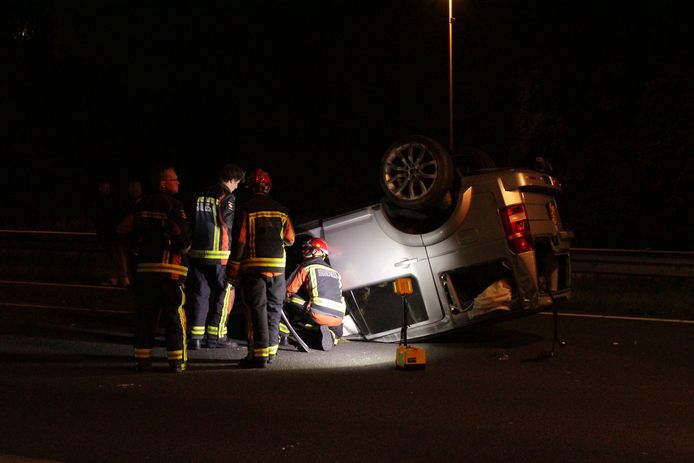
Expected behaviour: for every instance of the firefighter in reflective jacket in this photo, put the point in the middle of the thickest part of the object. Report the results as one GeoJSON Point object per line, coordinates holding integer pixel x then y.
{"type": "Point", "coordinates": [259, 259]}
{"type": "Point", "coordinates": [161, 243]}
{"type": "Point", "coordinates": [314, 295]}
{"type": "Point", "coordinates": [210, 297]}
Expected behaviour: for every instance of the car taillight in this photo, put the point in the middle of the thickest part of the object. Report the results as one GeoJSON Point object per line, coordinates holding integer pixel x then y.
{"type": "Point", "coordinates": [517, 228]}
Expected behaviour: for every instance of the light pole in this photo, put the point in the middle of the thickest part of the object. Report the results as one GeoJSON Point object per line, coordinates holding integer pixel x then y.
{"type": "Point", "coordinates": [450, 75]}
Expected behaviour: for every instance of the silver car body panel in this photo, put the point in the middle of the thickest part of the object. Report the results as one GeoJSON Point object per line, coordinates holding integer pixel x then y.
{"type": "Point", "coordinates": [367, 249]}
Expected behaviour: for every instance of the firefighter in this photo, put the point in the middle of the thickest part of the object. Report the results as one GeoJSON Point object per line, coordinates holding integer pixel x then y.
{"type": "Point", "coordinates": [210, 296]}
{"type": "Point", "coordinates": [161, 243]}
{"type": "Point", "coordinates": [314, 296]}
{"type": "Point", "coordinates": [259, 259]}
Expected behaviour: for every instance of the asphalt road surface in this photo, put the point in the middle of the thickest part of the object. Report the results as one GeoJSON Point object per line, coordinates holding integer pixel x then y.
{"type": "Point", "coordinates": [618, 390]}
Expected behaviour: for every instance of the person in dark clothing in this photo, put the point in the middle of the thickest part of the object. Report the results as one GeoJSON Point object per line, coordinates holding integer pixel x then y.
{"type": "Point", "coordinates": [123, 254]}
{"type": "Point", "coordinates": [314, 297]}
{"type": "Point", "coordinates": [210, 296]}
{"type": "Point", "coordinates": [259, 259]}
{"type": "Point", "coordinates": [105, 213]}
{"type": "Point", "coordinates": [161, 243]}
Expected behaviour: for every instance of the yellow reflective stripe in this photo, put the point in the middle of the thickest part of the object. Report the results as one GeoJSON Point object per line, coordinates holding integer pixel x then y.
{"type": "Point", "coordinates": [225, 309]}
{"type": "Point", "coordinates": [260, 352]}
{"type": "Point", "coordinates": [197, 330]}
{"type": "Point", "coordinates": [268, 260]}
{"type": "Point", "coordinates": [265, 214]}
{"type": "Point", "coordinates": [151, 215]}
{"type": "Point", "coordinates": [163, 268]}
{"type": "Point", "coordinates": [184, 322]}
{"type": "Point", "coordinates": [276, 214]}
{"type": "Point", "coordinates": [297, 300]}
{"type": "Point", "coordinates": [272, 350]}
{"type": "Point", "coordinates": [311, 268]}
{"type": "Point", "coordinates": [143, 353]}
{"type": "Point", "coordinates": [175, 354]}
{"type": "Point", "coordinates": [216, 228]}
{"type": "Point", "coordinates": [214, 203]}
{"type": "Point", "coordinates": [314, 281]}
{"type": "Point", "coordinates": [254, 264]}
{"type": "Point", "coordinates": [264, 261]}
{"type": "Point", "coordinates": [315, 298]}
{"type": "Point", "coordinates": [315, 266]}
{"type": "Point", "coordinates": [207, 254]}
{"type": "Point", "coordinates": [330, 304]}
{"type": "Point", "coordinates": [219, 331]}
{"type": "Point", "coordinates": [283, 328]}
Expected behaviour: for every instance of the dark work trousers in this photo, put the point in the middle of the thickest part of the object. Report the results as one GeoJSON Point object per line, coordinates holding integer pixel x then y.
{"type": "Point", "coordinates": [159, 301]}
{"type": "Point", "coordinates": [300, 318]}
{"type": "Point", "coordinates": [208, 301]}
{"type": "Point", "coordinates": [264, 297]}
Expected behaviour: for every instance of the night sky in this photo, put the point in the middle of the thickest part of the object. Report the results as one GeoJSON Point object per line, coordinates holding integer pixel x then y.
{"type": "Point", "coordinates": [314, 92]}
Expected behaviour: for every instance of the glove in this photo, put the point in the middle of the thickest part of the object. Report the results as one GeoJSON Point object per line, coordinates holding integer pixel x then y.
{"type": "Point", "coordinates": [233, 274]}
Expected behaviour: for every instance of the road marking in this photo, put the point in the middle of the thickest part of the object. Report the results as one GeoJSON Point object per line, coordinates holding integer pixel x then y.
{"type": "Point", "coordinates": [619, 317]}
{"type": "Point", "coordinates": [62, 307]}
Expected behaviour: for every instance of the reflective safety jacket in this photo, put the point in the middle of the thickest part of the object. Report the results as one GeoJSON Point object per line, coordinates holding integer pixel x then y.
{"type": "Point", "coordinates": [161, 237]}
{"type": "Point", "coordinates": [264, 230]}
{"type": "Point", "coordinates": [213, 220]}
{"type": "Point", "coordinates": [318, 288]}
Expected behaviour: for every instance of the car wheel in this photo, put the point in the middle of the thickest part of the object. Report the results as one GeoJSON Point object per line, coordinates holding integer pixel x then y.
{"type": "Point", "coordinates": [416, 172]}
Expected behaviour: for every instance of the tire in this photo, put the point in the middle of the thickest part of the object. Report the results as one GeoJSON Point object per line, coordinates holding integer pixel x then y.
{"type": "Point", "coordinates": [416, 172]}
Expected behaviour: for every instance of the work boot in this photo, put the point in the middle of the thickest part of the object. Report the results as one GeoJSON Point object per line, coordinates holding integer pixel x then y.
{"type": "Point", "coordinates": [177, 366]}
{"type": "Point", "coordinates": [194, 344]}
{"type": "Point", "coordinates": [253, 362]}
{"type": "Point", "coordinates": [283, 334]}
{"type": "Point", "coordinates": [271, 358]}
{"type": "Point", "coordinates": [326, 338]}
{"type": "Point", "coordinates": [220, 343]}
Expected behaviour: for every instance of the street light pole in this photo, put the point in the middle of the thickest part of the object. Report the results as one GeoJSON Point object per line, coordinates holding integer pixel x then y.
{"type": "Point", "coordinates": [450, 75]}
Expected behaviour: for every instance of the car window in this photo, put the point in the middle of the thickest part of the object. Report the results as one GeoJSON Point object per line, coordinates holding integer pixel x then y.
{"type": "Point", "coordinates": [377, 308]}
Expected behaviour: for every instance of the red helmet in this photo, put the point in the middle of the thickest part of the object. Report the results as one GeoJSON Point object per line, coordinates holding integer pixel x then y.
{"type": "Point", "coordinates": [315, 247]}
{"type": "Point", "coordinates": [260, 181]}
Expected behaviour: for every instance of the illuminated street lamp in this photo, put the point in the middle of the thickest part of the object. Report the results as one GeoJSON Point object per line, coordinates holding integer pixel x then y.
{"type": "Point", "coordinates": [450, 74]}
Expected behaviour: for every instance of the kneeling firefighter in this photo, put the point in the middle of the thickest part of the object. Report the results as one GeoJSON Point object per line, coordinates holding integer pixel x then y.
{"type": "Point", "coordinates": [314, 300]}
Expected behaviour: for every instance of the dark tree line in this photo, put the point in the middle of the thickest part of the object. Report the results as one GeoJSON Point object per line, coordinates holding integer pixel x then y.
{"type": "Point", "coordinates": [601, 90]}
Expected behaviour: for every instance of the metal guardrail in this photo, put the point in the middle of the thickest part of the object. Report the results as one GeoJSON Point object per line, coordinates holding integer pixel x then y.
{"type": "Point", "coordinates": [626, 262]}
{"type": "Point", "coordinates": [27, 255]}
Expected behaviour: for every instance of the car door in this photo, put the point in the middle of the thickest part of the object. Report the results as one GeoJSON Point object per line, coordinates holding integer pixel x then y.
{"type": "Point", "coordinates": [370, 254]}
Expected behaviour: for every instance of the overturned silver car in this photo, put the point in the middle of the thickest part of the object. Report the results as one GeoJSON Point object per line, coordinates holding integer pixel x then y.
{"type": "Point", "coordinates": [477, 244]}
